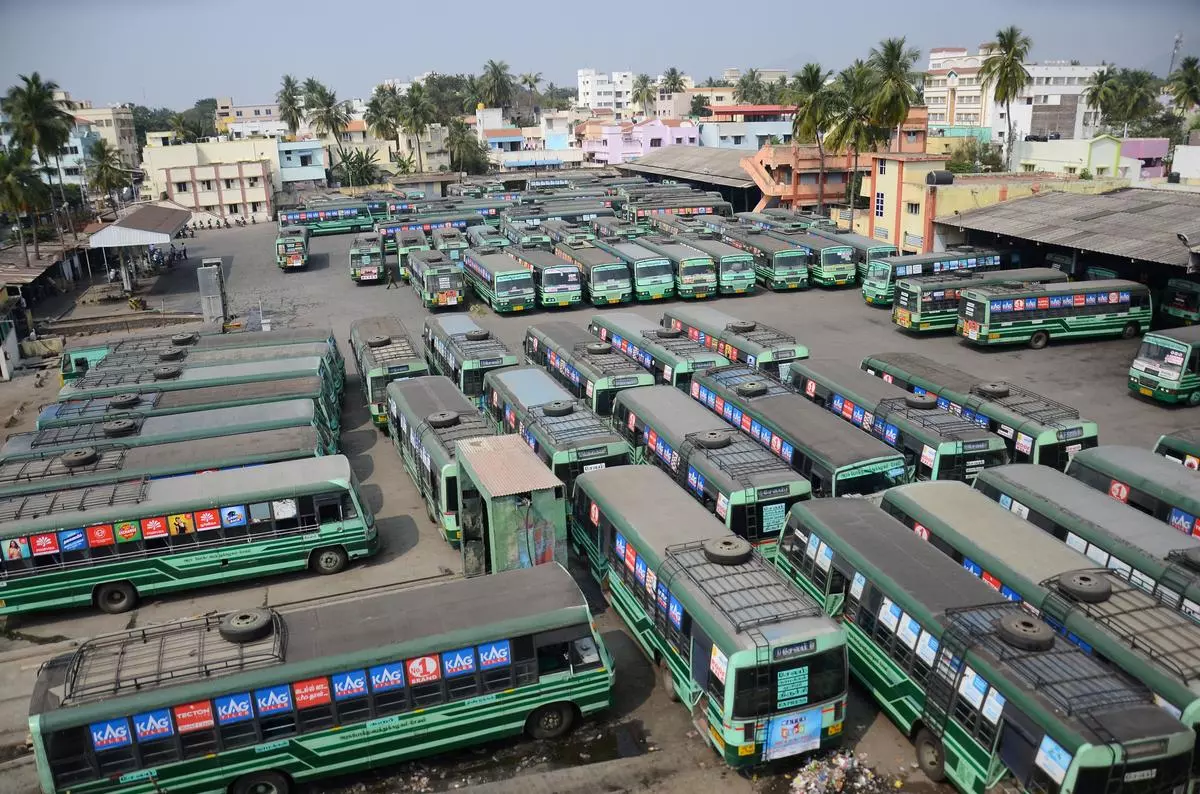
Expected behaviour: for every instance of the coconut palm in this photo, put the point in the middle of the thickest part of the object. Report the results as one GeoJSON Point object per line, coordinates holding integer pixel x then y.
{"type": "Point", "coordinates": [328, 115]}
{"type": "Point", "coordinates": [382, 115]}
{"type": "Point", "coordinates": [19, 188]}
{"type": "Point", "coordinates": [777, 91]}
{"type": "Point", "coordinates": [38, 123]}
{"type": "Point", "coordinates": [1184, 84]}
{"type": "Point", "coordinates": [416, 113]}
{"type": "Point", "coordinates": [359, 168]}
{"type": "Point", "coordinates": [1136, 96]}
{"type": "Point", "coordinates": [644, 92]}
{"type": "Point", "coordinates": [852, 122]}
{"type": "Point", "coordinates": [1102, 93]}
{"type": "Point", "coordinates": [672, 82]}
{"type": "Point", "coordinates": [291, 104]}
{"type": "Point", "coordinates": [496, 84]}
{"type": "Point", "coordinates": [472, 93]}
{"type": "Point", "coordinates": [105, 171]}
{"type": "Point", "coordinates": [810, 94]}
{"type": "Point", "coordinates": [311, 89]}
{"type": "Point", "coordinates": [531, 80]}
{"type": "Point", "coordinates": [749, 89]}
{"type": "Point", "coordinates": [181, 127]}
{"type": "Point", "coordinates": [1004, 72]}
{"type": "Point", "coordinates": [896, 90]}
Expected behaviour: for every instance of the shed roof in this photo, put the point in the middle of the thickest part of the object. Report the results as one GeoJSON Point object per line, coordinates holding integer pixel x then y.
{"type": "Point", "coordinates": [151, 225]}
{"type": "Point", "coordinates": [700, 164]}
{"type": "Point", "coordinates": [505, 465]}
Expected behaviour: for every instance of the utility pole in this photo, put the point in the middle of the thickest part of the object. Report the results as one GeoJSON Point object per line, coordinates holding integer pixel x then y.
{"type": "Point", "coordinates": [1175, 52]}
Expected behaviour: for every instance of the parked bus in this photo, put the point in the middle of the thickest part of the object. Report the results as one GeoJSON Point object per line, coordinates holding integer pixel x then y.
{"type": "Point", "coordinates": [265, 701]}
{"type": "Point", "coordinates": [451, 242]}
{"type": "Point", "coordinates": [521, 235]}
{"type": "Point", "coordinates": [653, 275]}
{"type": "Point", "coordinates": [616, 229]}
{"type": "Point", "coordinates": [695, 271]}
{"type": "Point", "coordinates": [291, 247]}
{"type": "Point", "coordinates": [427, 416]}
{"type": "Point", "coordinates": [408, 242]}
{"type": "Point", "coordinates": [1095, 608]}
{"type": "Point", "coordinates": [570, 211]}
{"type": "Point", "coordinates": [590, 369]}
{"type": "Point", "coordinates": [777, 265]}
{"type": "Point", "coordinates": [930, 303]}
{"type": "Point", "coordinates": [1012, 707]}
{"type": "Point", "coordinates": [879, 284]}
{"type": "Point", "coordinates": [752, 343]}
{"type": "Point", "coordinates": [836, 459]}
{"type": "Point", "coordinates": [667, 352]}
{"type": "Point", "coordinates": [769, 680]}
{"type": "Point", "coordinates": [436, 279]}
{"type": "Point", "coordinates": [485, 239]}
{"type": "Point", "coordinates": [1157, 558]}
{"type": "Point", "coordinates": [1036, 428]}
{"type": "Point", "coordinates": [108, 545]}
{"type": "Point", "coordinates": [557, 281]}
{"type": "Point", "coordinates": [366, 259]}
{"type": "Point", "coordinates": [830, 263]}
{"type": "Point", "coordinates": [1144, 481]}
{"type": "Point", "coordinates": [801, 220]}
{"type": "Point", "coordinates": [568, 233]}
{"type": "Point", "coordinates": [384, 352]}
{"type": "Point", "coordinates": [866, 249]}
{"type": "Point", "coordinates": [1181, 300]}
{"type": "Point", "coordinates": [568, 437]}
{"type": "Point", "coordinates": [500, 281]}
{"type": "Point", "coordinates": [734, 477]}
{"type": "Point", "coordinates": [1167, 366]}
{"type": "Point", "coordinates": [735, 267]}
{"type": "Point", "coordinates": [1031, 314]}
{"type": "Point", "coordinates": [1181, 446]}
{"type": "Point", "coordinates": [678, 204]}
{"type": "Point", "coordinates": [605, 276]}
{"type": "Point", "coordinates": [937, 445]}
{"type": "Point", "coordinates": [179, 357]}
{"type": "Point", "coordinates": [429, 222]}
{"type": "Point", "coordinates": [462, 351]}
{"type": "Point", "coordinates": [332, 217]}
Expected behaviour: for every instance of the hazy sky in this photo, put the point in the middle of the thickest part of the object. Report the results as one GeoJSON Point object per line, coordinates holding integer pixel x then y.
{"type": "Point", "coordinates": [169, 52]}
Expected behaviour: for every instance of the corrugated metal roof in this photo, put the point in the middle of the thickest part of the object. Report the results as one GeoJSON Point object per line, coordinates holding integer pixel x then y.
{"type": "Point", "coordinates": [505, 465]}
{"type": "Point", "coordinates": [1138, 224]}
{"type": "Point", "coordinates": [697, 163]}
{"type": "Point", "coordinates": [151, 225]}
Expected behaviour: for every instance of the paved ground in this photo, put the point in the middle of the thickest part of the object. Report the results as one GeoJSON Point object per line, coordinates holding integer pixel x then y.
{"type": "Point", "coordinates": [655, 739]}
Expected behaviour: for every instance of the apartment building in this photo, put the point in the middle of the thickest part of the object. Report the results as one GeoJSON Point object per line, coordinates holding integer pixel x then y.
{"type": "Point", "coordinates": [72, 158]}
{"type": "Point", "coordinates": [621, 142]}
{"type": "Point", "coordinates": [613, 91]}
{"type": "Point", "coordinates": [113, 123]}
{"type": "Point", "coordinates": [733, 74]}
{"type": "Point", "coordinates": [227, 113]}
{"type": "Point", "coordinates": [224, 178]}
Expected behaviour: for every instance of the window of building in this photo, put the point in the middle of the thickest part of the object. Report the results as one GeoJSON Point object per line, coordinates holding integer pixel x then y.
{"type": "Point", "coordinates": [882, 167]}
{"type": "Point", "coordinates": [252, 181]}
{"type": "Point", "coordinates": [691, 139]}
{"type": "Point", "coordinates": [1101, 170]}
{"type": "Point", "coordinates": [233, 208]}
{"type": "Point", "coordinates": [229, 184]}
{"type": "Point", "coordinates": [1027, 168]}
{"type": "Point", "coordinates": [912, 208]}
{"type": "Point", "coordinates": [71, 171]}
{"type": "Point", "coordinates": [267, 112]}
{"type": "Point", "coordinates": [254, 206]}
{"type": "Point", "coordinates": [911, 137]}
{"type": "Point", "coordinates": [1070, 169]}
{"type": "Point", "coordinates": [237, 113]}
{"type": "Point", "coordinates": [737, 140]}
{"type": "Point", "coordinates": [878, 205]}
{"type": "Point", "coordinates": [206, 184]}
{"type": "Point", "coordinates": [181, 187]}
{"type": "Point", "coordinates": [306, 160]}
{"type": "Point", "coordinates": [256, 112]}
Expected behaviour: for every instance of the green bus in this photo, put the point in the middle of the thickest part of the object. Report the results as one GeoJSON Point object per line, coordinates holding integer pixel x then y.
{"type": "Point", "coordinates": [993, 699]}
{"type": "Point", "coordinates": [671, 356]}
{"type": "Point", "coordinates": [879, 283]}
{"type": "Point", "coordinates": [485, 239]}
{"type": "Point", "coordinates": [384, 352]}
{"type": "Point", "coordinates": [588, 368]}
{"type": "Point", "coordinates": [1036, 428]}
{"type": "Point", "coordinates": [436, 279]}
{"type": "Point", "coordinates": [451, 242]}
{"type": "Point", "coordinates": [268, 702]}
{"type": "Point", "coordinates": [1181, 300]}
{"type": "Point", "coordinates": [462, 351]}
{"type": "Point", "coordinates": [683, 203]}
{"type": "Point", "coordinates": [80, 440]}
{"type": "Point", "coordinates": [333, 217]}
{"type": "Point", "coordinates": [500, 281]}
{"type": "Point", "coordinates": [830, 262]}
{"type": "Point", "coordinates": [735, 267]}
{"type": "Point", "coordinates": [755, 344]}
{"type": "Point", "coordinates": [1095, 608]}
{"type": "Point", "coordinates": [147, 401]}
{"type": "Point", "coordinates": [566, 436]}
{"type": "Point", "coordinates": [616, 229]}
{"type": "Point", "coordinates": [1167, 366]}
{"type": "Point", "coordinates": [778, 217]}
{"type": "Point", "coordinates": [108, 545]}
{"type": "Point", "coordinates": [113, 461]}
{"type": "Point", "coordinates": [291, 248]}
{"type": "Point", "coordinates": [734, 477]}
{"type": "Point", "coordinates": [930, 303]}
{"type": "Point", "coordinates": [524, 235]}
{"type": "Point", "coordinates": [695, 271]}
{"type": "Point", "coordinates": [427, 416]}
{"type": "Point", "coordinates": [760, 668]}
{"type": "Point", "coordinates": [367, 264]}
{"type": "Point", "coordinates": [653, 275]}
{"type": "Point", "coordinates": [1181, 446]}
{"type": "Point", "coordinates": [836, 459]}
{"type": "Point", "coordinates": [777, 265]}
{"type": "Point", "coordinates": [388, 228]}
{"type": "Point", "coordinates": [1031, 314]}
{"type": "Point", "coordinates": [866, 249]}
{"type": "Point", "coordinates": [1156, 558]}
{"type": "Point", "coordinates": [409, 241]}
{"type": "Point", "coordinates": [564, 232]}
{"type": "Point", "coordinates": [557, 281]}
{"type": "Point", "coordinates": [1143, 480]}
{"type": "Point", "coordinates": [178, 356]}
{"type": "Point", "coordinates": [937, 445]}
{"type": "Point", "coordinates": [579, 211]}
{"type": "Point", "coordinates": [605, 276]}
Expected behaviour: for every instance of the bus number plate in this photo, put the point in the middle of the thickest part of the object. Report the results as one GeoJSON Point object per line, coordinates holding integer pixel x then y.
{"type": "Point", "coordinates": [593, 467]}
{"type": "Point", "coordinates": [312, 537]}
{"type": "Point", "coordinates": [1145, 774]}
{"type": "Point", "coordinates": [1145, 391]}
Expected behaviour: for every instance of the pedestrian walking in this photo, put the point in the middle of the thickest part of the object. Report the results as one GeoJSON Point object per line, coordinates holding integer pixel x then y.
{"type": "Point", "coordinates": [184, 256]}
{"type": "Point", "coordinates": [391, 277]}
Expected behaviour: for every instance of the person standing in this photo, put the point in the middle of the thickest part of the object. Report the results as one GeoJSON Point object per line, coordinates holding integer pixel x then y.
{"type": "Point", "coordinates": [391, 277]}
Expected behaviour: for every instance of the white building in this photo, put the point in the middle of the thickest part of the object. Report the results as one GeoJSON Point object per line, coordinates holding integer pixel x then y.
{"type": "Point", "coordinates": [256, 128]}
{"type": "Point", "coordinates": [1051, 104]}
{"type": "Point", "coordinates": [733, 74]}
{"type": "Point", "coordinates": [602, 90]}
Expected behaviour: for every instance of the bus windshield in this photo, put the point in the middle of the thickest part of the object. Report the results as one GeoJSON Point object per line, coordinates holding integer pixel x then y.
{"type": "Point", "coordinates": [836, 257]}
{"type": "Point", "coordinates": [517, 282]}
{"type": "Point", "coordinates": [735, 266]}
{"type": "Point", "coordinates": [823, 673]}
{"type": "Point", "coordinates": [560, 278]}
{"type": "Point", "coordinates": [657, 267]}
{"type": "Point", "coordinates": [1168, 359]}
{"type": "Point", "coordinates": [878, 272]}
{"type": "Point", "coordinates": [1187, 299]}
{"type": "Point", "coordinates": [862, 481]}
{"type": "Point", "coordinates": [611, 277]}
{"type": "Point", "coordinates": [695, 268]}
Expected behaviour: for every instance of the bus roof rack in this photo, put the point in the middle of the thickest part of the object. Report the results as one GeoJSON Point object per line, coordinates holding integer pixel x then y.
{"type": "Point", "coordinates": [1031, 404]}
{"type": "Point", "coordinates": [943, 423]}
{"type": "Point", "coordinates": [72, 500]}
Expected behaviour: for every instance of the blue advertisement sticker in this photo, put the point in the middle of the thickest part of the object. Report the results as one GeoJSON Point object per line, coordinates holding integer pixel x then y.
{"type": "Point", "coordinates": [639, 570]}
{"type": "Point", "coordinates": [675, 613]}
{"type": "Point", "coordinates": [495, 654]}
{"type": "Point", "coordinates": [233, 516]}
{"type": "Point", "coordinates": [387, 676]}
{"type": "Point", "coordinates": [755, 428]}
{"type": "Point", "coordinates": [943, 403]}
{"type": "Point", "coordinates": [273, 699]}
{"type": "Point", "coordinates": [972, 566]}
{"type": "Point", "coordinates": [1182, 520]}
{"type": "Point", "coordinates": [72, 540]}
{"type": "Point", "coordinates": [619, 543]}
{"type": "Point", "coordinates": [349, 685]}
{"type": "Point", "coordinates": [786, 452]}
{"type": "Point", "coordinates": [836, 403]}
{"type": "Point", "coordinates": [737, 416]}
{"type": "Point", "coordinates": [460, 662]}
{"type": "Point", "coordinates": [233, 708]}
{"type": "Point", "coordinates": [110, 734]}
{"type": "Point", "coordinates": [153, 725]}
{"type": "Point", "coordinates": [662, 596]}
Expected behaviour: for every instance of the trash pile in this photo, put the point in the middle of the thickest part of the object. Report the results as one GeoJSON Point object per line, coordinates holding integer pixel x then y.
{"type": "Point", "coordinates": [842, 772]}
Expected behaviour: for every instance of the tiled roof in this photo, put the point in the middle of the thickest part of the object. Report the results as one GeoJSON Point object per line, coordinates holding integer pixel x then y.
{"type": "Point", "coordinates": [506, 132]}
{"type": "Point", "coordinates": [356, 125]}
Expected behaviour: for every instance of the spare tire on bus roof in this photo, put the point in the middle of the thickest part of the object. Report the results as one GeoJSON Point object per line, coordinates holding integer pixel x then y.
{"type": "Point", "coordinates": [728, 550]}
{"type": "Point", "coordinates": [1024, 631]}
{"type": "Point", "coordinates": [922, 401]}
{"type": "Point", "coordinates": [752, 388]}
{"type": "Point", "coordinates": [1088, 587]}
{"type": "Point", "coordinates": [741, 326]}
{"type": "Point", "coordinates": [118, 427]}
{"type": "Point", "coordinates": [668, 333]}
{"type": "Point", "coordinates": [379, 340]}
{"type": "Point", "coordinates": [442, 419]}
{"type": "Point", "coordinates": [166, 372]}
{"type": "Point", "coordinates": [713, 439]}
{"type": "Point", "coordinates": [172, 354]}
{"type": "Point", "coordinates": [185, 339]}
{"type": "Point", "coordinates": [477, 335]}
{"type": "Point", "coordinates": [126, 400]}
{"type": "Point", "coordinates": [1189, 558]}
{"type": "Point", "coordinates": [558, 408]}
{"type": "Point", "coordinates": [992, 389]}
{"type": "Point", "coordinates": [246, 625]}
{"type": "Point", "coordinates": [598, 348]}
{"type": "Point", "coordinates": [79, 457]}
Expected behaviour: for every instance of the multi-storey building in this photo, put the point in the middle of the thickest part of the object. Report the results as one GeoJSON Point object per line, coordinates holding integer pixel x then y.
{"type": "Point", "coordinates": [114, 124]}
{"type": "Point", "coordinates": [733, 74]}
{"type": "Point", "coordinates": [72, 158]}
{"type": "Point", "coordinates": [228, 113]}
{"type": "Point", "coordinates": [603, 90]}
{"type": "Point", "coordinates": [224, 178]}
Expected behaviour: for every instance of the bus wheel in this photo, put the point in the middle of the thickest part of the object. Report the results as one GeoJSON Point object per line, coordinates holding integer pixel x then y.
{"type": "Point", "coordinates": [668, 682]}
{"type": "Point", "coordinates": [1130, 330]}
{"type": "Point", "coordinates": [550, 721]}
{"type": "Point", "coordinates": [261, 783]}
{"type": "Point", "coordinates": [1039, 340]}
{"type": "Point", "coordinates": [116, 597]}
{"type": "Point", "coordinates": [1194, 398]}
{"type": "Point", "coordinates": [930, 757]}
{"type": "Point", "coordinates": [330, 560]}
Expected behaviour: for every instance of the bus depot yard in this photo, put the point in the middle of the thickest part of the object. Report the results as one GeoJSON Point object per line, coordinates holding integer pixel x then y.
{"type": "Point", "coordinates": [681, 457]}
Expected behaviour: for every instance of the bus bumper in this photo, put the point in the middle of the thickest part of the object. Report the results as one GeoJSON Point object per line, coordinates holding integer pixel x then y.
{"type": "Point", "coordinates": [1161, 393]}
{"type": "Point", "coordinates": [784, 283]}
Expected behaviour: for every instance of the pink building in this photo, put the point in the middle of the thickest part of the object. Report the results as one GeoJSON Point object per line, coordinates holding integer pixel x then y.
{"type": "Point", "coordinates": [1151, 151]}
{"type": "Point", "coordinates": [620, 142]}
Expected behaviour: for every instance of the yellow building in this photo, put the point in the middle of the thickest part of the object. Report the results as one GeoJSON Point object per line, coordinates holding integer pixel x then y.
{"type": "Point", "coordinates": [225, 178]}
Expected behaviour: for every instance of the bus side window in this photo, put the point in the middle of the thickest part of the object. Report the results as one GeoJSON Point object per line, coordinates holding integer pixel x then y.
{"type": "Point", "coordinates": [584, 654]}
{"type": "Point", "coordinates": [238, 734]}
{"type": "Point", "coordinates": [1194, 362]}
{"type": "Point", "coordinates": [68, 754]}
{"type": "Point", "coordinates": [307, 512]}
{"type": "Point", "coordinates": [259, 518]}
{"type": "Point", "coordinates": [524, 660]}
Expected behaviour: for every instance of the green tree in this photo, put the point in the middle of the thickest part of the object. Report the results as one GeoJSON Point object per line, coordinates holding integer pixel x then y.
{"type": "Point", "coordinates": [699, 107]}
{"type": "Point", "coordinates": [1101, 95]}
{"type": "Point", "coordinates": [20, 188]}
{"type": "Point", "coordinates": [467, 153]}
{"type": "Point", "coordinates": [37, 122]}
{"type": "Point", "coordinates": [328, 116]}
{"type": "Point", "coordinates": [496, 84]}
{"type": "Point", "coordinates": [202, 117]}
{"type": "Point", "coordinates": [105, 171]}
{"type": "Point", "coordinates": [853, 126]}
{"type": "Point", "coordinates": [1004, 72]}
{"type": "Point", "coordinates": [472, 94]}
{"type": "Point", "coordinates": [530, 81]}
{"type": "Point", "coordinates": [644, 92]}
{"type": "Point", "coordinates": [181, 128]}
{"type": "Point", "coordinates": [382, 114]}
{"type": "Point", "coordinates": [777, 91]}
{"type": "Point", "coordinates": [291, 104]}
{"type": "Point", "coordinates": [672, 82]}
{"type": "Point", "coordinates": [311, 89]}
{"type": "Point", "coordinates": [971, 156]}
{"type": "Point", "coordinates": [405, 163]}
{"type": "Point", "coordinates": [147, 119]}
{"type": "Point", "coordinates": [358, 167]}
{"type": "Point", "coordinates": [1184, 84]}
{"type": "Point", "coordinates": [1136, 97]}
{"type": "Point", "coordinates": [415, 115]}
{"type": "Point", "coordinates": [896, 90]}
{"type": "Point", "coordinates": [749, 88]}
{"type": "Point", "coordinates": [811, 96]}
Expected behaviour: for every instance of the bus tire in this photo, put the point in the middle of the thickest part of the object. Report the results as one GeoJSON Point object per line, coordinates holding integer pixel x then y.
{"type": "Point", "coordinates": [752, 388]}
{"type": "Point", "coordinates": [742, 326]}
{"type": "Point", "coordinates": [1039, 340]}
{"type": "Point", "coordinates": [1084, 586]}
{"type": "Point", "coordinates": [599, 348]}
{"type": "Point", "coordinates": [920, 401]}
{"type": "Point", "coordinates": [118, 427]}
{"type": "Point", "coordinates": [1194, 398]}
{"type": "Point", "coordinates": [172, 354]}
{"type": "Point", "coordinates": [550, 721]}
{"type": "Point", "coordinates": [246, 625]}
{"type": "Point", "coordinates": [1025, 632]}
{"type": "Point", "coordinates": [116, 597]}
{"type": "Point", "coordinates": [442, 419]}
{"type": "Point", "coordinates": [477, 335]}
{"type": "Point", "coordinates": [127, 400]}
{"type": "Point", "coordinates": [181, 340]}
{"type": "Point", "coordinates": [669, 333]}
{"type": "Point", "coordinates": [991, 390]}
{"type": "Point", "coordinates": [728, 550]}
{"type": "Point", "coordinates": [75, 458]}
{"type": "Point", "coordinates": [558, 408]}
{"type": "Point", "coordinates": [930, 756]}
{"type": "Point", "coordinates": [261, 783]}
{"type": "Point", "coordinates": [713, 439]}
{"type": "Point", "coordinates": [668, 682]}
{"type": "Point", "coordinates": [329, 560]}
{"type": "Point", "coordinates": [1130, 330]}
{"type": "Point", "coordinates": [166, 372]}
{"type": "Point", "coordinates": [378, 341]}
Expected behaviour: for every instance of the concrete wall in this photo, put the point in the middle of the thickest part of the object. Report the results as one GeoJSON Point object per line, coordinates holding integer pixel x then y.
{"type": "Point", "coordinates": [1187, 162]}
{"type": "Point", "coordinates": [290, 168]}
{"type": "Point", "coordinates": [752, 135]}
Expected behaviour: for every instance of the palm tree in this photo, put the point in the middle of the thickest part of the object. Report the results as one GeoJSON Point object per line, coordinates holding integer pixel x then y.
{"type": "Point", "coordinates": [472, 93]}
{"type": "Point", "coordinates": [530, 81]}
{"type": "Point", "coordinates": [811, 97]}
{"type": "Point", "coordinates": [1005, 73]}
{"type": "Point", "coordinates": [311, 89]}
{"type": "Point", "coordinates": [699, 107]}
{"type": "Point", "coordinates": [644, 92]}
{"type": "Point", "coordinates": [749, 88]}
{"type": "Point", "coordinates": [896, 91]}
{"type": "Point", "coordinates": [382, 114]}
{"type": "Point", "coordinates": [1136, 91]}
{"type": "Point", "coordinates": [359, 167]}
{"type": "Point", "coordinates": [181, 128]}
{"type": "Point", "coordinates": [416, 114]}
{"type": "Point", "coordinates": [291, 104]}
{"type": "Point", "coordinates": [39, 124]}
{"type": "Point", "coordinates": [105, 171]}
{"type": "Point", "coordinates": [1184, 84]}
{"type": "Point", "coordinates": [19, 184]}
{"type": "Point", "coordinates": [461, 142]}
{"type": "Point", "coordinates": [496, 84]}
{"type": "Point", "coordinates": [328, 116]}
{"type": "Point", "coordinates": [852, 121]}
{"type": "Point", "coordinates": [1102, 93]}
{"type": "Point", "coordinates": [777, 91]}
{"type": "Point", "coordinates": [404, 164]}
{"type": "Point", "coordinates": [672, 82]}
